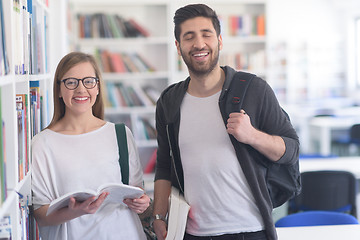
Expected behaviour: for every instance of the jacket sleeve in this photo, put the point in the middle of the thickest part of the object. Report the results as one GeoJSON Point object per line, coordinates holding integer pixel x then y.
{"type": "Point", "coordinates": [163, 162]}
{"type": "Point", "coordinates": [272, 119]}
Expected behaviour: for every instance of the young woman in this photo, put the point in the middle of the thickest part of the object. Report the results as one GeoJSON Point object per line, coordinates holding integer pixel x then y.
{"type": "Point", "coordinates": [77, 151]}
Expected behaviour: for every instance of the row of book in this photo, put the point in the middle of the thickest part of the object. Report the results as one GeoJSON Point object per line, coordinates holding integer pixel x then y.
{"type": "Point", "coordinates": [102, 25]}
{"type": "Point", "coordinates": [30, 47]}
{"type": "Point", "coordinates": [36, 108]}
{"type": "Point", "coordinates": [249, 61]}
{"type": "Point", "coordinates": [142, 127]}
{"type": "Point", "coordinates": [145, 129]}
{"type": "Point", "coordinates": [23, 51]}
{"type": "Point", "coordinates": [119, 95]}
{"type": "Point", "coordinates": [122, 62]}
{"type": "Point", "coordinates": [4, 60]}
{"type": "Point", "coordinates": [27, 128]}
{"type": "Point", "coordinates": [5, 228]}
{"type": "Point", "coordinates": [23, 135]}
{"type": "Point", "coordinates": [29, 230]}
{"type": "Point", "coordinates": [244, 25]}
{"type": "Point", "coordinates": [3, 183]}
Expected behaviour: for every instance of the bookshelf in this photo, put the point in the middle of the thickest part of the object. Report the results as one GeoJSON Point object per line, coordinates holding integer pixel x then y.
{"type": "Point", "coordinates": [134, 63]}
{"type": "Point", "coordinates": [25, 82]}
{"type": "Point", "coordinates": [244, 48]}
{"type": "Point", "coordinates": [307, 56]}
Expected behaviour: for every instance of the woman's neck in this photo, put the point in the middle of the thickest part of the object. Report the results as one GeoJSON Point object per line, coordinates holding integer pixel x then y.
{"type": "Point", "coordinates": [74, 125]}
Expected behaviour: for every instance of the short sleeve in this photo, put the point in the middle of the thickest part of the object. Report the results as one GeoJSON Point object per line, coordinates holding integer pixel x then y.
{"type": "Point", "coordinates": [135, 168]}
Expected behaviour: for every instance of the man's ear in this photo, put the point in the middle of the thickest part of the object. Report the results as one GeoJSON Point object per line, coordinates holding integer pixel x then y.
{"type": "Point", "coordinates": [177, 44]}
{"type": "Point", "coordinates": [220, 42]}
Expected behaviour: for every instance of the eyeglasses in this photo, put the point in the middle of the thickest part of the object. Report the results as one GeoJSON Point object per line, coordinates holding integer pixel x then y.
{"type": "Point", "coordinates": [73, 83]}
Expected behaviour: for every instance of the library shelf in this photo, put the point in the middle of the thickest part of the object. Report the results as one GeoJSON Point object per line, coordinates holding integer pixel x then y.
{"type": "Point", "coordinates": [158, 49]}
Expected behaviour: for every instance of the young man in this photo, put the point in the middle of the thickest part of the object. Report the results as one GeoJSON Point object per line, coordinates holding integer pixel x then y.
{"type": "Point", "coordinates": [221, 179]}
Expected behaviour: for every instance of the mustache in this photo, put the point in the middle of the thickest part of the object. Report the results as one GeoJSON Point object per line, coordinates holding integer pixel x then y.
{"type": "Point", "coordinates": [194, 50]}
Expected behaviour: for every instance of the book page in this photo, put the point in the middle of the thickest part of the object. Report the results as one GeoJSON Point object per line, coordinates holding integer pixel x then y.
{"type": "Point", "coordinates": [63, 201]}
{"type": "Point", "coordinates": [117, 193]}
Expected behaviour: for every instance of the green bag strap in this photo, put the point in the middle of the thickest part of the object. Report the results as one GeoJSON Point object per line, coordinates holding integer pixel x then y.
{"type": "Point", "coordinates": [123, 152]}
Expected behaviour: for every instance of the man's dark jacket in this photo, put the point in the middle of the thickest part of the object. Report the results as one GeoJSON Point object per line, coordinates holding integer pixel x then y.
{"type": "Point", "coordinates": [266, 115]}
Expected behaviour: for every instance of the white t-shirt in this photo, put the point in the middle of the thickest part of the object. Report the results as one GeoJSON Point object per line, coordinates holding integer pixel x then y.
{"type": "Point", "coordinates": [215, 186]}
{"type": "Point", "coordinates": [65, 163]}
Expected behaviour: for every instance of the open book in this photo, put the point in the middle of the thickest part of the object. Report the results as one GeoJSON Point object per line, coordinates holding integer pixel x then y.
{"type": "Point", "coordinates": [118, 192]}
{"type": "Point", "coordinates": [178, 213]}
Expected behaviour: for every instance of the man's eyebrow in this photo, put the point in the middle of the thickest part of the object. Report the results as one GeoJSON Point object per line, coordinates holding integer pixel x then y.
{"type": "Point", "coordinates": [206, 30]}
{"type": "Point", "coordinates": [188, 33]}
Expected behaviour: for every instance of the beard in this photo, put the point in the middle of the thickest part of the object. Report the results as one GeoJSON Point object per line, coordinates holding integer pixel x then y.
{"type": "Point", "coordinates": [204, 68]}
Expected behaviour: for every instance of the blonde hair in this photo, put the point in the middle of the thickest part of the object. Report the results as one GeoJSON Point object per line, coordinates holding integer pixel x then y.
{"type": "Point", "coordinates": [65, 64]}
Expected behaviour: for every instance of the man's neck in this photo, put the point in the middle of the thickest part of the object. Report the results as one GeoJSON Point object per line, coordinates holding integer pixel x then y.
{"type": "Point", "coordinates": [206, 85]}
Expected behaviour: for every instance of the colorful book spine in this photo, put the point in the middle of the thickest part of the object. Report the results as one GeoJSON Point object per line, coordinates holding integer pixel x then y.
{"type": "Point", "coordinates": [246, 25]}
{"type": "Point", "coordinates": [38, 50]}
{"type": "Point", "coordinates": [35, 109]}
{"type": "Point", "coordinates": [109, 26]}
{"type": "Point", "coordinates": [120, 95]}
{"type": "Point", "coordinates": [5, 228]}
{"type": "Point", "coordinates": [3, 182]}
{"type": "Point", "coordinates": [4, 59]}
{"type": "Point", "coordinates": [23, 136]}
{"type": "Point", "coordinates": [122, 62]}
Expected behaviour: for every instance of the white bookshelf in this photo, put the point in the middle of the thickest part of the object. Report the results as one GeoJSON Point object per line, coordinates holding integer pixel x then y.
{"type": "Point", "coordinates": [15, 82]}
{"type": "Point", "coordinates": [159, 48]}
{"type": "Point", "coordinates": [307, 55]}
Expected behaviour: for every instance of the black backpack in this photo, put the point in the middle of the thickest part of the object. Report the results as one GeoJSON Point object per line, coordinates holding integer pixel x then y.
{"type": "Point", "coordinates": [283, 181]}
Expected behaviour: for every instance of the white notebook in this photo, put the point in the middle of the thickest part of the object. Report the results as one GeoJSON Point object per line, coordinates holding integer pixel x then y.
{"type": "Point", "coordinates": [178, 213]}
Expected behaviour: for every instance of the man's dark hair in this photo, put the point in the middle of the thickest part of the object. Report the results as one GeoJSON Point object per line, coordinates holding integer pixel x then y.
{"type": "Point", "coordinates": [192, 11]}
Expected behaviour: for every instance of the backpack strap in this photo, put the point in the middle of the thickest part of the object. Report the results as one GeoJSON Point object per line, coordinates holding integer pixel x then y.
{"type": "Point", "coordinates": [238, 87]}
{"type": "Point", "coordinates": [123, 152]}
{"type": "Point", "coordinates": [237, 91]}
